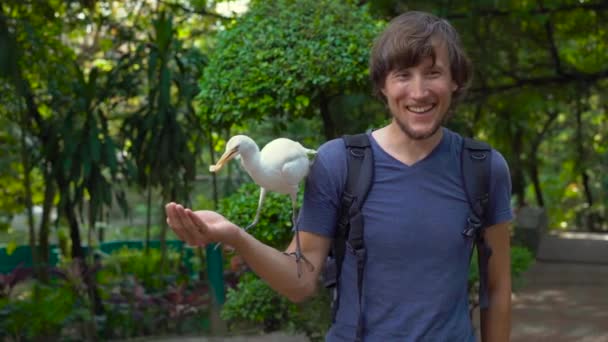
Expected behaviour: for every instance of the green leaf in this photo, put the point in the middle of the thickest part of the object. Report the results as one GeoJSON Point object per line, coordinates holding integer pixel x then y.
{"type": "Point", "coordinates": [11, 246]}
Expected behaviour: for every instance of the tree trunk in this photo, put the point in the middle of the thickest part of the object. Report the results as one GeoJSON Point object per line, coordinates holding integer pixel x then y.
{"type": "Point", "coordinates": [148, 214]}
{"type": "Point", "coordinates": [77, 250]}
{"type": "Point", "coordinates": [79, 257]}
{"type": "Point", "coordinates": [45, 222]}
{"type": "Point", "coordinates": [533, 158]}
{"type": "Point", "coordinates": [163, 230]}
{"type": "Point", "coordinates": [27, 185]}
{"type": "Point", "coordinates": [582, 162]}
{"type": "Point", "coordinates": [329, 128]}
{"type": "Point", "coordinates": [540, 201]}
{"type": "Point", "coordinates": [518, 174]}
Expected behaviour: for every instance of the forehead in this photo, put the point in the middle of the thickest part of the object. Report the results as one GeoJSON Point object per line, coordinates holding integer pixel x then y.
{"type": "Point", "coordinates": [437, 56]}
{"type": "Point", "coordinates": [408, 52]}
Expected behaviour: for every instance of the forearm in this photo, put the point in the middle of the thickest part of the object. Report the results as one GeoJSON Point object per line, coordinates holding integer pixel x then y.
{"type": "Point", "coordinates": [496, 319]}
{"type": "Point", "coordinates": [276, 268]}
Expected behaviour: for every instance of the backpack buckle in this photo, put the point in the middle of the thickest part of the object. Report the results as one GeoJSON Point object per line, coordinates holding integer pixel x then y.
{"type": "Point", "coordinates": [473, 225]}
{"type": "Point", "coordinates": [358, 252]}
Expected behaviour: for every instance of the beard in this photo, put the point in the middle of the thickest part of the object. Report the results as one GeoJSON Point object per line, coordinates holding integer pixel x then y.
{"type": "Point", "coordinates": [410, 133]}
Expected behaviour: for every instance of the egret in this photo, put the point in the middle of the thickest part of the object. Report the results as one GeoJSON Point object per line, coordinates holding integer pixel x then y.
{"type": "Point", "coordinates": [279, 167]}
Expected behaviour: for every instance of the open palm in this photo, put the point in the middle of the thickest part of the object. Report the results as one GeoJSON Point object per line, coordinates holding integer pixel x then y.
{"type": "Point", "coordinates": [199, 228]}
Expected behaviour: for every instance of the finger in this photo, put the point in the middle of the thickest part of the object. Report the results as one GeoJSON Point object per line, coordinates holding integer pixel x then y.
{"type": "Point", "coordinates": [186, 225]}
{"type": "Point", "coordinates": [177, 231]}
{"type": "Point", "coordinates": [170, 211]}
{"type": "Point", "coordinates": [178, 225]}
{"type": "Point", "coordinates": [174, 222]}
{"type": "Point", "coordinates": [197, 221]}
{"type": "Point", "coordinates": [199, 227]}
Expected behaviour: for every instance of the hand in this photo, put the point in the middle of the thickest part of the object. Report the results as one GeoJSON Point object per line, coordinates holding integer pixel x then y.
{"type": "Point", "coordinates": [201, 227]}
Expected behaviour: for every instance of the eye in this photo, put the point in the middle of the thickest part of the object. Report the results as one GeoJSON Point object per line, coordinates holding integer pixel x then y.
{"type": "Point", "coordinates": [434, 73]}
{"type": "Point", "coordinates": [402, 75]}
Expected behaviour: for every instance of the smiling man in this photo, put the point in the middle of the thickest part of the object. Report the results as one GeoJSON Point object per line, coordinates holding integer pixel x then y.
{"type": "Point", "coordinates": [411, 282]}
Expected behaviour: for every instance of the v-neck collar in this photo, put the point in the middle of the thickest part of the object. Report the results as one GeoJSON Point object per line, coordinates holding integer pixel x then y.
{"type": "Point", "coordinates": [443, 144]}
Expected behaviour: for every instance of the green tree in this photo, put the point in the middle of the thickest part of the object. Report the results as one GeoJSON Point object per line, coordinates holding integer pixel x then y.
{"type": "Point", "coordinates": [288, 59]}
{"type": "Point", "coordinates": [537, 93]}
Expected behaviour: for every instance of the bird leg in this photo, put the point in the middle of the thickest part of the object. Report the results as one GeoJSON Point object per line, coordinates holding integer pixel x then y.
{"type": "Point", "coordinates": [257, 215]}
{"type": "Point", "coordinates": [298, 253]}
{"type": "Point", "coordinates": [256, 219]}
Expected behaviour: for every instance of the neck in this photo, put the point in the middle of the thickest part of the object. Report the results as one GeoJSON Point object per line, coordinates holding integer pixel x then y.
{"type": "Point", "coordinates": [251, 163]}
{"type": "Point", "coordinates": [398, 144]}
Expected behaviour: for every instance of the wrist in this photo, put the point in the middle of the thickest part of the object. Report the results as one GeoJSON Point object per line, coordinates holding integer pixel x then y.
{"type": "Point", "coordinates": [238, 238]}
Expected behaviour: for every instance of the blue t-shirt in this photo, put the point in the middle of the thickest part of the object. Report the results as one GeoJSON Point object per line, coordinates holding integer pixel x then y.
{"type": "Point", "coordinates": [415, 279]}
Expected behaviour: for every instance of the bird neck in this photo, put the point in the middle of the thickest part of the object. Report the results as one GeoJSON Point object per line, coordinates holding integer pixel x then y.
{"type": "Point", "coordinates": [252, 163]}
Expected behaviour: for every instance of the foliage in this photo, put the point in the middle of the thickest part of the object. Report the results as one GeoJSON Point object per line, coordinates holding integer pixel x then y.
{"type": "Point", "coordinates": [132, 310]}
{"type": "Point", "coordinates": [274, 227]}
{"type": "Point", "coordinates": [287, 58]}
{"type": "Point", "coordinates": [254, 302]}
{"type": "Point", "coordinates": [140, 301]}
{"type": "Point", "coordinates": [42, 310]}
{"type": "Point", "coordinates": [142, 266]}
{"type": "Point", "coordinates": [521, 260]}
{"type": "Point", "coordinates": [61, 309]}
{"type": "Point", "coordinates": [34, 309]}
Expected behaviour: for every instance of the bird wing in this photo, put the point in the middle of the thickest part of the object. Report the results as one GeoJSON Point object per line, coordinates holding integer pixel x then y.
{"type": "Point", "coordinates": [295, 170]}
{"type": "Point", "coordinates": [289, 158]}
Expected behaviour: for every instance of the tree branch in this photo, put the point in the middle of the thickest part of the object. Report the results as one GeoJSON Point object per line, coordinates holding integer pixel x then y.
{"type": "Point", "coordinates": [202, 12]}
{"type": "Point", "coordinates": [562, 79]}
{"type": "Point", "coordinates": [603, 6]}
{"type": "Point", "coordinates": [553, 51]}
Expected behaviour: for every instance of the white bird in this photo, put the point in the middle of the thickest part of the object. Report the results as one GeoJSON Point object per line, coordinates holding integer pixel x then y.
{"type": "Point", "coordinates": [279, 167]}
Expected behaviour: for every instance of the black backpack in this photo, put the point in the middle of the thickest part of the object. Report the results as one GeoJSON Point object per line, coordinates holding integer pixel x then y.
{"type": "Point", "coordinates": [475, 171]}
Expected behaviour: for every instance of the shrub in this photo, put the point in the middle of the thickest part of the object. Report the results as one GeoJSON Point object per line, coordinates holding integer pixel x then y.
{"type": "Point", "coordinates": [146, 268]}
{"type": "Point", "coordinates": [274, 227]}
{"type": "Point", "coordinates": [254, 303]}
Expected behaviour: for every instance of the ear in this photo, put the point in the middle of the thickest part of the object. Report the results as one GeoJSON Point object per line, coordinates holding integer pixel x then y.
{"type": "Point", "coordinates": [454, 86]}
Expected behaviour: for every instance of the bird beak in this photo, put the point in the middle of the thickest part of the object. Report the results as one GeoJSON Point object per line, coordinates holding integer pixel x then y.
{"type": "Point", "coordinates": [225, 158]}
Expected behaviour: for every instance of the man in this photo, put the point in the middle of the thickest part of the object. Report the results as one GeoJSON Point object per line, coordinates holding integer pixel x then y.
{"type": "Point", "coordinates": [415, 281]}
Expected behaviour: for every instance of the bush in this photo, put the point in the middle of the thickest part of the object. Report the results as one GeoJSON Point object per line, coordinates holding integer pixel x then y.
{"type": "Point", "coordinates": [40, 310]}
{"type": "Point", "coordinates": [146, 268]}
{"type": "Point", "coordinates": [274, 227]}
{"type": "Point", "coordinates": [254, 303]}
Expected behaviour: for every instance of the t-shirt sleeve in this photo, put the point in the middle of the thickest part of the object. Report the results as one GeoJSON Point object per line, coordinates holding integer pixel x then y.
{"type": "Point", "coordinates": [499, 210]}
{"type": "Point", "coordinates": [323, 188]}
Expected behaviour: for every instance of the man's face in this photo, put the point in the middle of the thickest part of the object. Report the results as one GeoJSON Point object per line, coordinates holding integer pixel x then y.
{"type": "Point", "coordinates": [419, 97]}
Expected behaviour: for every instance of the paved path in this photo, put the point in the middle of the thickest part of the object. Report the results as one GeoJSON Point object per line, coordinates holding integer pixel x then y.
{"type": "Point", "coordinates": [565, 293]}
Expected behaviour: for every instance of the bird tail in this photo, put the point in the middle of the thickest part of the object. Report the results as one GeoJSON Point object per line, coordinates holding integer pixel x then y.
{"type": "Point", "coordinates": [311, 155]}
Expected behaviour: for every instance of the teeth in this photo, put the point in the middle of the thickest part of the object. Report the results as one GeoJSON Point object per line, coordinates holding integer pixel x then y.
{"type": "Point", "coordinates": [419, 109]}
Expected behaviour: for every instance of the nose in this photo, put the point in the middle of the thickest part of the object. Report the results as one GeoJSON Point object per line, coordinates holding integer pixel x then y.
{"type": "Point", "coordinates": [418, 88]}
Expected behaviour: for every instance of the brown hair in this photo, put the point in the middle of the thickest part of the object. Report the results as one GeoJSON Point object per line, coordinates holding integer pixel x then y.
{"type": "Point", "coordinates": [408, 39]}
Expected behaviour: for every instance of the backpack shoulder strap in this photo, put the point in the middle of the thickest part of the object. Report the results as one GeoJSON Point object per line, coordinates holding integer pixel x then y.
{"type": "Point", "coordinates": [360, 166]}
{"type": "Point", "coordinates": [475, 163]}
{"type": "Point", "coordinates": [358, 183]}
{"type": "Point", "coordinates": [475, 170]}
{"type": "Point", "coordinates": [349, 229]}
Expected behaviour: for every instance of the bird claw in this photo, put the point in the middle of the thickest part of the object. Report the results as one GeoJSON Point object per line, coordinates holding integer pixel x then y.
{"type": "Point", "coordinates": [299, 256]}
{"type": "Point", "coordinates": [228, 249]}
